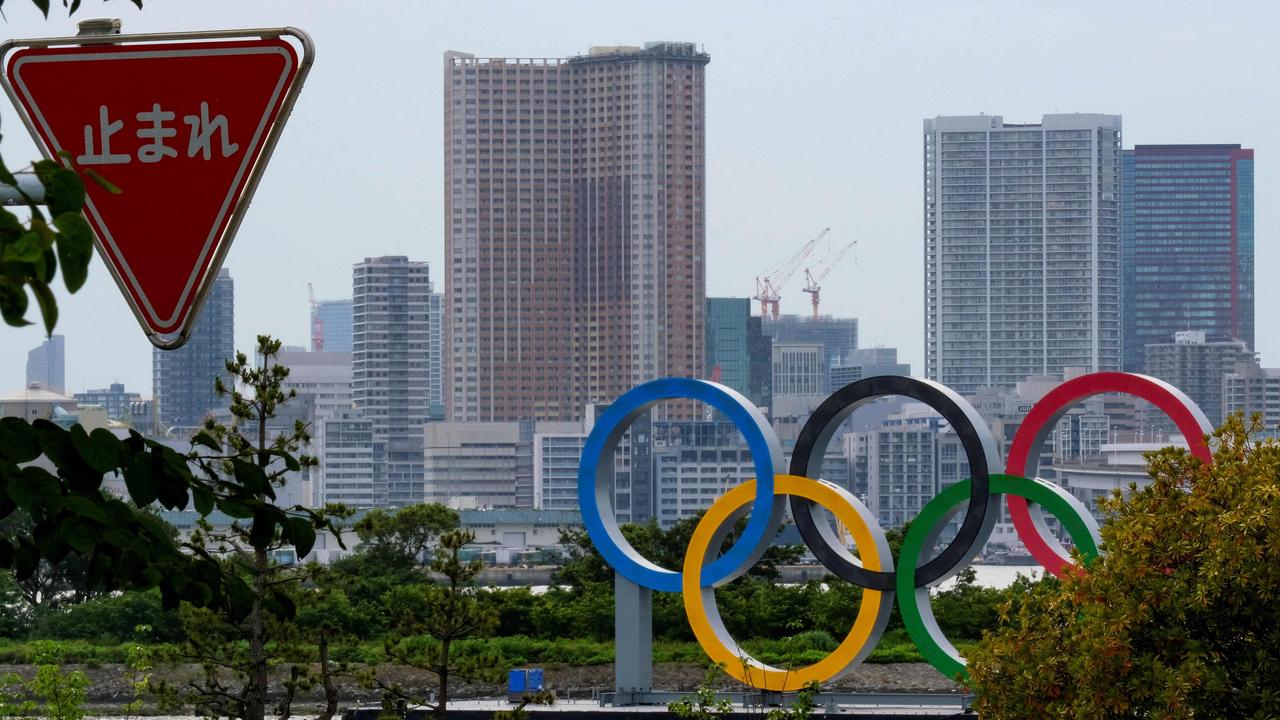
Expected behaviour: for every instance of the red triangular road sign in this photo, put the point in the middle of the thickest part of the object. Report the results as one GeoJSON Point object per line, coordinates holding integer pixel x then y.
{"type": "Point", "coordinates": [182, 128]}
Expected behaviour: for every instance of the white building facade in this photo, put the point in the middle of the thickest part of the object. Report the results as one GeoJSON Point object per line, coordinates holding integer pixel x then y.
{"type": "Point", "coordinates": [1022, 247]}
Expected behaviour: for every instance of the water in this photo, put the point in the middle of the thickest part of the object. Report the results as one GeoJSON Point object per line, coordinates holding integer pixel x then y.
{"type": "Point", "coordinates": [997, 576]}
{"type": "Point", "coordinates": [991, 576]}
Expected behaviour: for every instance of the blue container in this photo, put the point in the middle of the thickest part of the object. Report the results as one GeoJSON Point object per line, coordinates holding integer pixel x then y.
{"type": "Point", "coordinates": [518, 681]}
{"type": "Point", "coordinates": [535, 680]}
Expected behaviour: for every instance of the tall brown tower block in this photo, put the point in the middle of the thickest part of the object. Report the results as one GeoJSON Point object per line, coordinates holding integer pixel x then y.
{"type": "Point", "coordinates": [575, 228]}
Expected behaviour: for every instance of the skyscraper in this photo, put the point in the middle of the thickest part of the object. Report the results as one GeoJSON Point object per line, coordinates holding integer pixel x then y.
{"type": "Point", "coordinates": [1022, 247]}
{"type": "Point", "coordinates": [182, 380]}
{"type": "Point", "coordinates": [391, 331]}
{"type": "Point", "coordinates": [1187, 244]}
{"type": "Point", "coordinates": [46, 364]}
{"type": "Point", "coordinates": [331, 326]}
{"type": "Point", "coordinates": [728, 357]}
{"type": "Point", "coordinates": [574, 227]}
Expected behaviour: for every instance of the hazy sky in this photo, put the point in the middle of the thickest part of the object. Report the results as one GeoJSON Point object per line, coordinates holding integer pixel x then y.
{"type": "Point", "coordinates": [814, 120]}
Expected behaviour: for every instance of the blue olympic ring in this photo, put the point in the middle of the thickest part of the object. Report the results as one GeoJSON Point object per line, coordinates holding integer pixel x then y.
{"type": "Point", "coordinates": [594, 487]}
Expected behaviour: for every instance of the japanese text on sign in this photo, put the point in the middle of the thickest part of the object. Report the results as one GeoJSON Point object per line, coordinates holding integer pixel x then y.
{"type": "Point", "coordinates": [156, 127]}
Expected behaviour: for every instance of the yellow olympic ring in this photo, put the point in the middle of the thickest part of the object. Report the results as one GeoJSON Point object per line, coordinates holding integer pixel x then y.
{"type": "Point", "coordinates": [704, 616]}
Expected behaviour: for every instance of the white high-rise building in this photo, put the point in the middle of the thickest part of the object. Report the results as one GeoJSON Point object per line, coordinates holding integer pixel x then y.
{"type": "Point", "coordinates": [391, 369]}
{"type": "Point", "coordinates": [345, 450]}
{"type": "Point", "coordinates": [1022, 247]}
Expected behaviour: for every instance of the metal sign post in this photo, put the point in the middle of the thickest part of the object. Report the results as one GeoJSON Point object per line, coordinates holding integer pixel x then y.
{"type": "Point", "coordinates": [183, 124]}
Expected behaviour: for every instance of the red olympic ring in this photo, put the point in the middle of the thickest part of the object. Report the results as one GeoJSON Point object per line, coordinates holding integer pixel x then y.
{"type": "Point", "coordinates": [1044, 416]}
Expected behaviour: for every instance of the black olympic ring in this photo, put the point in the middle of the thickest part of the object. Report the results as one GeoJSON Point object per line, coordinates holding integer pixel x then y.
{"type": "Point", "coordinates": [979, 448]}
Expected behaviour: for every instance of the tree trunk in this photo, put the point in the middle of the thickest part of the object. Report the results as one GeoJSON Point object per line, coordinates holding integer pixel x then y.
{"type": "Point", "coordinates": [256, 698]}
{"type": "Point", "coordinates": [442, 697]}
{"type": "Point", "coordinates": [326, 677]}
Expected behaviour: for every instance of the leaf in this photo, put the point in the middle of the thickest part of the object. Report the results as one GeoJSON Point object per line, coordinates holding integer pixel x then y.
{"type": "Point", "coordinates": [75, 248]}
{"type": "Point", "coordinates": [112, 446]}
{"type": "Point", "coordinates": [140, 480]}
{"type": "Point", "coordinates": [49, 259]}
{"type": "Point", "coordinates": [252, 477]}
{"type": "Point", "coordinates": [263, 530]}
{"type": "Point", "coordinates": [75, 5]}
{"type": "Point", "coordinates": [303, 535]}
{"type": "Point", "coordinates": [31, 489]}
{"type": "Point", "coordinates": [44, 170]}
{"type": "Point", "coordinates": [18, 440]}
{"type": "Point", "coordinates": [205, 439]}
{"type": "Point", "coordinates": [63, 192]}
{"type": "Point", "coordinates": [102, 182]}
{"type": "Point", "coordinates": [85, 507]}
{"type": "Point", "coordinates": [58, 447]}
{"type": "Point", "coordinates": [47, 303]}
{"type": "Point", "coordinates": [235, 509]}
{"type": "Point", "coordinates": [203, 498]}
{"type": "Point", "coordinates": [44, 7]}
{"type": "Point", "coordinates": [10, 226]}
{"type": "Point", "coordinates": [26, 249]}
{"type": "Point", "coordinates": [82, 537]}
{"type": "Point", "coordinates": [13, 303]}
{"type": "Point", "coordinates": [7, 177]}
{"type": "Point", "coordinates": [90, 452]}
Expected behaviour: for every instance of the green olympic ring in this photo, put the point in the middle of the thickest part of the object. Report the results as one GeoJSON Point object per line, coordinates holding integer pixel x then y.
{"type": "Point", "coordinates": [914, 603]}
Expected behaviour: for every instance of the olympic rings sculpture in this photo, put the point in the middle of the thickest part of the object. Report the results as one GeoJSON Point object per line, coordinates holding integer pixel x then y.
{"type": "Point", "coordinates": [874, 569]}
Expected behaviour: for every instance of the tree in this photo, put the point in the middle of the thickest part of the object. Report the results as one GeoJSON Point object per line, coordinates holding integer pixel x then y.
{"type": "Point", "coordinates": [325, 615]}
{"type": "Point", "coordinates": [407, 532]}
{"type": "Point", "coordinates": [1177, 619]}
{"type": "Point", "coordinates": [431, 619]}
{"type": "Point", "coordinates": [246, 465]}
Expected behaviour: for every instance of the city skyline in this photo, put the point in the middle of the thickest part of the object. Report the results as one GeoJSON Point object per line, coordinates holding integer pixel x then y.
{"type": "Point", "coordinates": [762, 201]}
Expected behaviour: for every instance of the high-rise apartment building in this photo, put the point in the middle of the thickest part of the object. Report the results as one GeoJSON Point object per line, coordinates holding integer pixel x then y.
{"type": "Point", "coordinates": [1198, 367]}
{"type": "Point", "coordinates": [331, 326]}
{"type": "Point", "coordinates": [1022, 248]}
{"type": "Point", "coordinates": [390, 378]}
{"type": "Point", "coordinates": [182, 380]}
{"type": "Point", "coordinates": [47, 364]}
{"type": "Point", "coordinates": [1187, 244]}
{"type": "Point", "coordinates": [574, 228]}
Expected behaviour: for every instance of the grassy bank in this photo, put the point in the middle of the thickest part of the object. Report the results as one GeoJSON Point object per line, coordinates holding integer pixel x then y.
{"type": "Point", "coordinates": [797, 650]}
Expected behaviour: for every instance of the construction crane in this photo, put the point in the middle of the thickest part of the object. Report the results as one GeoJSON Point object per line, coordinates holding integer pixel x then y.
{"type": "Point", "coordinates": [769, 286]}
{"type": "Point", "coordinates": [812, 283]}
{"type": "Point", "coordinates": [317, 323]}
